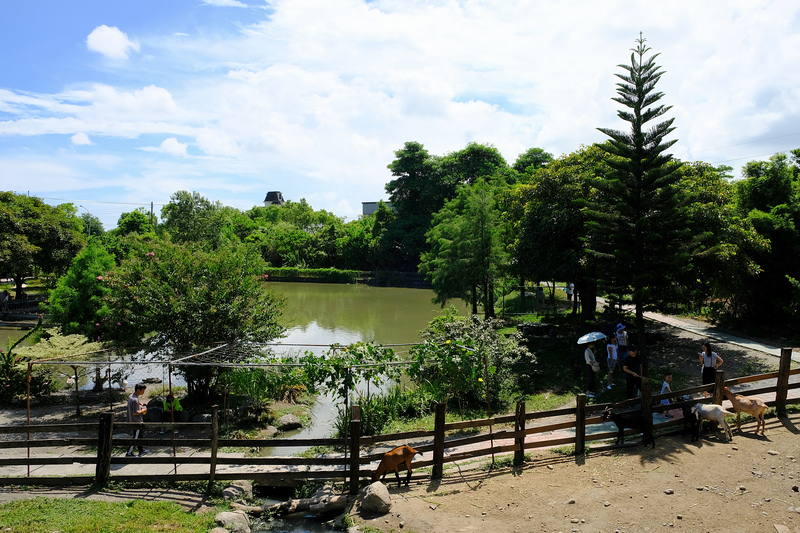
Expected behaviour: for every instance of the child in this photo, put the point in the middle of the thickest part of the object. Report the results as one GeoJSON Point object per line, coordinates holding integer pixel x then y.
{"type": "Point", "coordinates": [665, 389]}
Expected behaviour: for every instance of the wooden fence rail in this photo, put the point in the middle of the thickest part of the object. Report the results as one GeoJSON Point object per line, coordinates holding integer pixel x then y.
{"type": "Point", "coordinates": [506, 434]}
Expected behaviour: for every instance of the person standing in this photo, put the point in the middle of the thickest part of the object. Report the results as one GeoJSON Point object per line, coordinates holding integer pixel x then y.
{"type": "Point", "coordinates": [711, 362]}
{"type": "Point", "coordinates": [590, 368]}
{"type": "Point", "coordinates": [136, 412]}
{"type": "Point", "coordinates": [611, 360]}
{"type": "Point", "coordinates": [570, 288]}
{"type": "Point", "coordinates": [172, 410]}
{"type": "Point", "coordinates": [622, 341]}
{"type": "Point", "coordinates": [632, 367]}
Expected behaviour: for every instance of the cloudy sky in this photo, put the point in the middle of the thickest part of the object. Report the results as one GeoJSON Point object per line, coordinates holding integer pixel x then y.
{"type": "Point", "coordinates": [114, 105]}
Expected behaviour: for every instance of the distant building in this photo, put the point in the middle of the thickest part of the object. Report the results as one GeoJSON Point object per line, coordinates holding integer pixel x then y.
{"type": "Point", "coordinates": [369, 208]}
{"type": "Point", "coordinates": [274, 198]}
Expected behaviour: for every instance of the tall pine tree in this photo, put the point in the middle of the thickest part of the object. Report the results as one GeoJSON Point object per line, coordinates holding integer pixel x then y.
{"type": "Point", "coordinates": [638, 235]}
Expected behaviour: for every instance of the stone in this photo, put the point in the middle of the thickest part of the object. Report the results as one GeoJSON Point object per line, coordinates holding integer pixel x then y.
{"type": "Point", "coordinates": [289, 422]}
{"type": "Point", "coordinates": [234, 521]}
{"type": "Point", "coordinates": [795, 488]}
{"type": "Point", "coordinates": [606, 503]}
{"type": "Point", "coordinates": [669, 491]}
{"type": "Point", "coordinates": [219, 530]}
{"type": "Point", "coordinates": [570, 501]}
{"type": "Point", "coordinates": [773, 452]}
{"type": "Point", "coordinates": [376, 499]}
{"type": "Point", "coordinates": [238, 490]}
{"type": "Point", "coordinates": [269, 432]}
{"type": "Point", "coordinates": [202, 417]}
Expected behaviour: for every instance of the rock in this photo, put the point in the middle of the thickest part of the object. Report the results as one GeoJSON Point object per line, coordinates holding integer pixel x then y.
{"type": "Point", "coordinates": [742, 487]}
{"type": "Point", "coordinates": [773, 452]}
{"type": "Point", "coordinates": [289, 422]}
{"type": "Point", "coordinates": [376, 499]}
{"type": "Point", "coordinates": [238, 490]}
{"type": "Point", "coordinates": [570, 501]}
{"type": "Point", "coordinates": [669, 491]}
{"type": "Point", "coordinates": [235, 521]}
{"type": "Point", "coordinates": [202, 417]}
{"type": "Point", "coordinates": [219, 530]}
{"type": "Point", "coordinates": [606, 503]}
{"type": "Point", "coordinates": [269, 432]}
{"type": "Point", "coordinates": [795, 488]}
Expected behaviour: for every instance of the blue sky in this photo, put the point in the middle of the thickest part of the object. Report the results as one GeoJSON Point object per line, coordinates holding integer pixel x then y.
{"type": "Point", "coordinates": [114, 105]}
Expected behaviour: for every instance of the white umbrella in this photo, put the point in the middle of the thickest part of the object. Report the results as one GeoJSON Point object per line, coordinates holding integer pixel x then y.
{"type": "Point", "coordinates": [591, 337]}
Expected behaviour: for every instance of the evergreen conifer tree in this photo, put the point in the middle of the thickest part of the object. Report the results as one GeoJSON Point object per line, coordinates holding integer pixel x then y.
{"type": "Point", "coordinates": [638, 235]}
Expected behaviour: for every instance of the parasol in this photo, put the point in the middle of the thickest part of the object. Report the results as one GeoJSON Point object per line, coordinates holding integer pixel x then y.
{"type": "Point", "coordinates": [591, 337]}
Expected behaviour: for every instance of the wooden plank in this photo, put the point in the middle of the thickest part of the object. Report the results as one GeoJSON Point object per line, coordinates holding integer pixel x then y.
{"type": "Point", "coordinates": [369, 441]}
{"type": "Point", "coordinates": [548, 414]}
{"type": "Point", "coordinates": [16, 461]}
{"type": "Point", "coordinates": [276, 443]}
{"type": "Point", "coordinates": [550, 427]}
{"type": "Point", "coordinates": [48, 428]}
{"type": "Point", "coordinates": [506, 419]}
{"type": "Point", "coordinates": [550, 442]}
{"type": "Point", "coordinates": [483, 437]}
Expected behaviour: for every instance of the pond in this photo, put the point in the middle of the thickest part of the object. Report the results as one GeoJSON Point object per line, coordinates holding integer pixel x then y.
{"type": "Point", "coordinates": [324, 314]}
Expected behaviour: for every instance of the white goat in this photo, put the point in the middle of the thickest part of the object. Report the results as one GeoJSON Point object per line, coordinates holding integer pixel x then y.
{"type": "Point", "coordinates": [753, 405]}
{"type": "Point", "coordinates": [713, 412]}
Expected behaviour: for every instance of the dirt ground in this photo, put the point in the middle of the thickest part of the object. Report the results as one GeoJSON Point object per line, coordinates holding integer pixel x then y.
{"type": "Point", "coordinates": [711, 485]}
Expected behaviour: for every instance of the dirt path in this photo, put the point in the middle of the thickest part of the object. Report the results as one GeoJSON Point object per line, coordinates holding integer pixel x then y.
{"type": "Point", "coordinates": [748, 485]}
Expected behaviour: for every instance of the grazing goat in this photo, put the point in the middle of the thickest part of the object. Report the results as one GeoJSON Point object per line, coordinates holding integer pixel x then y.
{"type": "Point", "coordinates": [743, 404]}
{"type": "Point", "coordinates": [392, 460]}
{"type": "Point", "coordinates": [634, 420]}
{"type": "Point", "coordinates": [711, 412]}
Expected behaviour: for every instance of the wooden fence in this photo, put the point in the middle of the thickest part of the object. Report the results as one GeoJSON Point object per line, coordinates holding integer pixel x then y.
{"type": "Point", "coordinates": [514, 433]}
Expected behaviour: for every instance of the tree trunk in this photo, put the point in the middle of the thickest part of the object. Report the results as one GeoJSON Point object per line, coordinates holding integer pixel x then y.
{"type": "Point", "coordinates": [641, 338]}
{"type": "Point", "coordinates": [474, 300]}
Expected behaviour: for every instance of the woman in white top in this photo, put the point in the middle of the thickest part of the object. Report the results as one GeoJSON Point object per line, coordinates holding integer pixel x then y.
{"type": "Point", "coordinates": [611, 359]}
{"type": "Point", "coordinates": [711, 362]}
{"type": "Point", "coordinates": [591, 364]}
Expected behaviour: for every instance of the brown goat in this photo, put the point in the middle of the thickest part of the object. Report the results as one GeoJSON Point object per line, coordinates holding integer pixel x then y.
{"type": "Point", "coordinates": [392, 460]}
{"type": "Point", "coordinates": [754, 406]}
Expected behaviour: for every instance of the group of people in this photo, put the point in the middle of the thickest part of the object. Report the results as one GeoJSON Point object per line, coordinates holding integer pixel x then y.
{"type": "Point", "coordinates": [619, 353]}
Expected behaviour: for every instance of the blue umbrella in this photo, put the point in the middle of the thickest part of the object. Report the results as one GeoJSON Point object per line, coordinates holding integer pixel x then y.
{"type": "Point", "coordinates": [591, 337]}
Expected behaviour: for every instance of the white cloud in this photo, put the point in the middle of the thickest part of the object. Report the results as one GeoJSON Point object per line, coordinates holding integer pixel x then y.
{"type": "Point", "coordinates": [81, 139]}
{"type": "Point", "coordinates": [111, 42]}
{"type": "Point", "coordinates": [170, 146]}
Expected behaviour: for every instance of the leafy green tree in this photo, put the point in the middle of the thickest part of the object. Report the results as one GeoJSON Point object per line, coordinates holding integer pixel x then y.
{"type": "Point", "coordinates": [37, 236]}
{"type": "Point", "coordinates": [550, 222]}
{"type": "Point", "coordinates": [181, 297]}
{"type": "Point", "coordinates": [419, 189]}
{"type": "Point", "coordinates": [472, 163]}
{"type": "Point", "coordinates": [75, 303]}
{"type": "Point", "coordinates": [190, 217]}
{"type": "Point", "coordinates": [532, 159]}
{"type": "Point", "coordinates": [92, 224]}
{"type": "Point", "coordinates": [137, 221]}
{"type": "Point", "coordinates": [639, 234]}
{"type": "Point", "coordinates": [467, 250]}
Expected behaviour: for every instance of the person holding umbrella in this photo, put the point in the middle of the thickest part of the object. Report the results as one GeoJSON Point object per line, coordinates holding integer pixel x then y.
{"type": "Point", "coordinates": [592, 366]}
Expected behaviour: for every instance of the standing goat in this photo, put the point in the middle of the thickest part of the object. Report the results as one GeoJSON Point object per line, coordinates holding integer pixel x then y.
{"type": "Point", "coordinates": [743, 404]}
{"type": "Point", "coordinates": [634, 420]}
{"type": "Point", "coordinates": [712, 412]}
{"type": "Point", "coordinates": [391, 463]}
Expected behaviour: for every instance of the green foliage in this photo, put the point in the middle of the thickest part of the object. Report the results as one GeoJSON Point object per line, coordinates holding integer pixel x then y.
{"type": "Point", "coordinates": [467, 254]}
{"type": "Point", "coordinates": [182, 297]}
{"type": "Point", "coordinates": [35, 235]}
{"type": "Point", "coordinates": [189, 217]}
{"type": "Point", "coordinates": [91, 516]}
{"type": "Point", "coordinates": [137, 221]}
{"type": "Point", "coordinates": [531, 160]}
{"type": "Point", "coordinates": [466, 358]}
{"type": "Point", "coordinates": [75, 304]}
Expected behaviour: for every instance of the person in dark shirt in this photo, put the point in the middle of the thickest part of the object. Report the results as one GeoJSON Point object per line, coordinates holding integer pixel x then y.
{"type": "Point", "coordinates": [632, 367]}
{"type": "Point", "coordinates": [136, 413]}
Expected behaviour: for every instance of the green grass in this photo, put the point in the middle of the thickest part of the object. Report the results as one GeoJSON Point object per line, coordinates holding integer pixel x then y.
{"type": "Point", "coordinates": [86, 516]}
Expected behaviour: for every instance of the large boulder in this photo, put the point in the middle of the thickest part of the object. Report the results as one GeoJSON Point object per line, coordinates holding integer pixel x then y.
{"type": "Point", "coordinates": [289, 422]}
{"type": "Point", "coordinates": [376, 499]}
{"type": "Point", "coordinates": [235, 521]}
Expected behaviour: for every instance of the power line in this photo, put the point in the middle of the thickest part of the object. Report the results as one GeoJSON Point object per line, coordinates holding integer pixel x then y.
{"type": "Point", "coordinates": [744, 143]}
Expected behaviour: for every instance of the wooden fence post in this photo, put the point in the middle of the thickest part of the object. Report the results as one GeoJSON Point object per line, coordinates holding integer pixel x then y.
{"type": "Point", "coordinates": [519, 425]}
{"type": "Point", "coordinates": [355, 447]}
{"type": "Point", "coordinates": [719, 386]}
{"type": "Point", "coordinates": [580, 425]}
{"type": "Point", "coordinates": [647, 398]}
{"type": "Point", "coordinates": [438, 441]}
{"type": "Point", "coordinates": [214, 446]}
{"type": "Point", "coordinates": [104, 432]}
{"type": "Point", "coordinates": [783, 380]}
